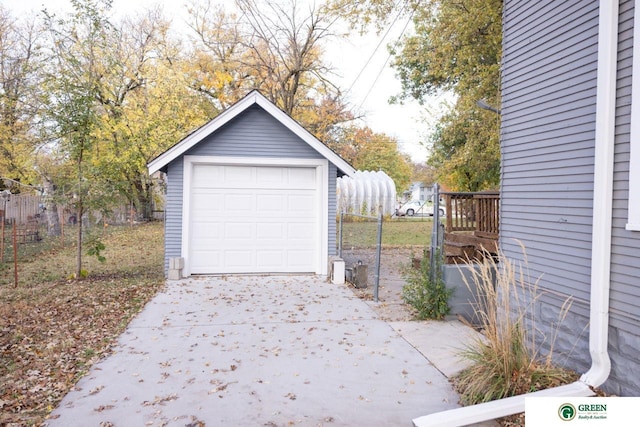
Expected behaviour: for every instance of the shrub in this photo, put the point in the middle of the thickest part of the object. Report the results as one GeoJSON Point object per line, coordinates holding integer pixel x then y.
{"type": "Point", "coordinates": [507, 360]}
{"type": "Point", "coordinates": [426, 292]}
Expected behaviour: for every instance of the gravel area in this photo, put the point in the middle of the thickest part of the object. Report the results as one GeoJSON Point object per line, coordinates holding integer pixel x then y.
{"type": "Point", "coordinates": [390, 306]}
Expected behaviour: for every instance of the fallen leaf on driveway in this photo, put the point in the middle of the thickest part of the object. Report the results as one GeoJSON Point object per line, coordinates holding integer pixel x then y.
{"type": "Point", "coordinates": [160, 400]}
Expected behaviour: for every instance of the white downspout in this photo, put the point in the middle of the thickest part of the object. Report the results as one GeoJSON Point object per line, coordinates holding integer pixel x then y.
{"type": "Point", "coordinates": [600, 246]}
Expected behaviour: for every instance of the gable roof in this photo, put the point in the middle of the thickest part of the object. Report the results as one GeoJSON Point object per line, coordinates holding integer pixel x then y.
{"type": "Point", "coordinates": [253, 97]}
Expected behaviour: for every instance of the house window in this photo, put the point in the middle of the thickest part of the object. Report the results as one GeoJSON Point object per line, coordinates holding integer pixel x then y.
{"type": "Point", "coordinates": [633, 220]}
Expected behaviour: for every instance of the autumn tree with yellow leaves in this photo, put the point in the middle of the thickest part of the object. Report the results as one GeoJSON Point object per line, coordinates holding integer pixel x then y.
{"type": "Point", "coordinates": [88, 100]}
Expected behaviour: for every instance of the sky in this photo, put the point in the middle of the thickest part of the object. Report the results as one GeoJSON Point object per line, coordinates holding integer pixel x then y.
{"type": "Point", "coordinates": [361, 64]}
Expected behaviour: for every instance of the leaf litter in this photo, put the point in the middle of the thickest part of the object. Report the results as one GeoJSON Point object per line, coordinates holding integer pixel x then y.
{"type": "Point", "coordinates": [52, 331]}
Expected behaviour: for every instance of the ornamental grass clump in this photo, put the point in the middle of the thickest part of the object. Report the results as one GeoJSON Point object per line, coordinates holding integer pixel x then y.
{"type": "Point", "coordinates": [508, 359]}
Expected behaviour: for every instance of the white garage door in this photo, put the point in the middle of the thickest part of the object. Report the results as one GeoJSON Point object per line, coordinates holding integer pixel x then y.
{"type": "Point", "coordinates": [253, 219]}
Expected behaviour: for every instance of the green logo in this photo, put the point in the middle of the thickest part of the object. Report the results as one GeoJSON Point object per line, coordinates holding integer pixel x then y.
{"type": "Point", "coordinates": [567, 412]}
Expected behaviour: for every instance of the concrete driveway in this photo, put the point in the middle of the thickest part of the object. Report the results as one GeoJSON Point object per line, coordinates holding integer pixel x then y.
{"type": "Point", "coordinates": [257, 351]}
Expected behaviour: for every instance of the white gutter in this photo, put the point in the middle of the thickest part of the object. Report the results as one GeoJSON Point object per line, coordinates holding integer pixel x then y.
{"type": "Point", "coordinates": [600, 247]}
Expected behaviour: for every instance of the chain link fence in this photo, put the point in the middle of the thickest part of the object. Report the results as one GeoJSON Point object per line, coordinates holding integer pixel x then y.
{"type": "Point", "coordinates": [360, 248]}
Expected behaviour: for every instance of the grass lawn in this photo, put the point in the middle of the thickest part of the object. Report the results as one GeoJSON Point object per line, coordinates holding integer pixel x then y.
{"type": "Point", "coordinates": [395, 232]}
{"type": "Point", "coordinates": [52, 329]}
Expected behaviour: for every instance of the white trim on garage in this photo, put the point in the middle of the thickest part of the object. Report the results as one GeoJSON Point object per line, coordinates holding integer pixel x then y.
{"type": "Point", "coordinates": [322, 194]}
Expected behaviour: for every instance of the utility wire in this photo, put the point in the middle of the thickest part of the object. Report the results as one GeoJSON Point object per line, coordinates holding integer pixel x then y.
{"type": "Point", "coordinates": [388, 57]}
{"type": "Point", "coordinates": [375, 50]}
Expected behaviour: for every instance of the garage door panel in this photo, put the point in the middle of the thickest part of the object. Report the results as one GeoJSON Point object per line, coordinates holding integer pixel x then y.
{"type": "Point", "coordinates": [209, 203]}
{"type": "Point", "coordinates": [208, 234]}
{"type": "Point", "coordinates": [302, 177]}
{"type": "Point", "coordinates": [271, 202]}
{"type": "Point", "coordinates": [253, 219]}
{"type": "Point", "coordinates": [269, 259]}
{"type": "Point", "coordinates": [301, 204]}
{"type": "Point", "coordinates": [238, 176]}
{"type": "Point", "coordinates": [238, 231]}
{"type": "Point", "coordinates": [300, 231]}
{"type": "Point", "coordinates": [207, 259]}
{"type": "Point", "coordinates": [238, 203]}
{"type": "Point", "coordinates": [238, 258]}
{"type": "Point", "coordinates": [299, 258]}
{"type": "Point", "coordinates": [271, 177]}
{"type": "Point", "coordinates": [270, 231]}
{"type": "Point", "coordinates": [203, 177]}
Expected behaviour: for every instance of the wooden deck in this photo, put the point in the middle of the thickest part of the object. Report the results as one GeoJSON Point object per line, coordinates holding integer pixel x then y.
{"type": "Point", "coordinates": [472, 225]}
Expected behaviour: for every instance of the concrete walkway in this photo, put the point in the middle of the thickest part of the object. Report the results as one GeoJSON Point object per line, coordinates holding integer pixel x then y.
{"type": "Point", "coordinates": [266, 351]}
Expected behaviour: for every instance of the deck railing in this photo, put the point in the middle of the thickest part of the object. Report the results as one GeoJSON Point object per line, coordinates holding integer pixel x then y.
{"type": "Point", "coordinates": [477, 212]}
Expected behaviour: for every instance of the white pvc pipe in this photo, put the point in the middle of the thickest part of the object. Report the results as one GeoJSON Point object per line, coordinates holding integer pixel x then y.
{"type": "Point", "coordinates": [497, 408]}
{"type": "Point", "coordinates": [600, 246]}
{"type": "Point", "coordinates": [603, 194]}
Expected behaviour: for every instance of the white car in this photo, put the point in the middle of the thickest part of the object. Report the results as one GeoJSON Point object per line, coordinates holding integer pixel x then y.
{"type": "Point", "coordinates": [419, 208]}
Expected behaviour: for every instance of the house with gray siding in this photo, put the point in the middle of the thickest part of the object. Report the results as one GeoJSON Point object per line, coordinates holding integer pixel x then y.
{"type": "Point", "coordinates": [570, 190]}
{"type": "Point", "coordinates": [251, 191]}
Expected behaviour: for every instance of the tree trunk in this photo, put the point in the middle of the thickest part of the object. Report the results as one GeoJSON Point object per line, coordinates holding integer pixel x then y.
{"type": "Point", "coordinates": [51, 209]}
{"type": "Point", "coordinates": [79, 243]}
{"type": "Point", "coordinates": [143, 190]}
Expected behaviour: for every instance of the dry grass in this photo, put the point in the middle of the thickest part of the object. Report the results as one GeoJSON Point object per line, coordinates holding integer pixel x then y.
{"type": "Point", "coordinates": [509, 361]}
{"type": "Point", "coordinates": [395, 232]}
{"type": "Point", "coordinates": [53, 329]}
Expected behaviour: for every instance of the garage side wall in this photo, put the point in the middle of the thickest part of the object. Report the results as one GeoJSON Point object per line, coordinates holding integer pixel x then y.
{"type": "Point", "coordinates": [254, 133]}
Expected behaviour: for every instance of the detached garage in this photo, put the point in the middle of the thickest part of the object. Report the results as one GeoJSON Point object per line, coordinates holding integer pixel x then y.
{"type": "Point", "coordinates": [250, 192]}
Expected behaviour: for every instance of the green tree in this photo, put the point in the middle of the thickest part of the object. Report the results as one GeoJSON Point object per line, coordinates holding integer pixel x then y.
{"type": "Point", "coordinates": [145, 105]}
{"type": "Point", "coordinates": [455, 47]}
{"type": "Point", "coordinates": [377, 151]}
{"type": "Point", "coordinates": [72, 111]}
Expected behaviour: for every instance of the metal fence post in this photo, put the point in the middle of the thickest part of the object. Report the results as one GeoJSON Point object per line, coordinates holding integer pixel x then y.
{"type": "Point", "coordinates": [340, 236]}
{"type": "Point", "coordinates": [378, 259]}
{"type": "Point", "coordinates": [435, 232]}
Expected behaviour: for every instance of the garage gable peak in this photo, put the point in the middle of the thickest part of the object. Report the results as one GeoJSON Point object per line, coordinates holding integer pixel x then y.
{"type": "Point", "coordinates": [253, 98]}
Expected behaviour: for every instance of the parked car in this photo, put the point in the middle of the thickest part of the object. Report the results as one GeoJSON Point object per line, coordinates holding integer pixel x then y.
{"type": "Point", "coordinates": [418, 208]}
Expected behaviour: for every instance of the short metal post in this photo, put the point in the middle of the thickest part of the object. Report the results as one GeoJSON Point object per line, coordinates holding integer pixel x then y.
{"type": "Point", "coordinates": [435, 231]}
{"type": "Point", "coordinates": [340, 236]}
{"type": "Point", "coordinates": [378, 259]}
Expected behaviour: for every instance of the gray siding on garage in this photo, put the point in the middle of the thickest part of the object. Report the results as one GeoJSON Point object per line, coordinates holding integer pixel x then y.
{"type": "Point", "coordinates": [253, 133]}
{"type": "Point", "coordinates": [173, 213]}
{"type": "Point", "coordinates": [549, 89]}
{"type": "Point", "coordinates": [333, 209]}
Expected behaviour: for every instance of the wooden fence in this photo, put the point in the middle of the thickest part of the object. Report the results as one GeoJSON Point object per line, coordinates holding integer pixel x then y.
{"type": "Point", "coordinates": [21, 208]}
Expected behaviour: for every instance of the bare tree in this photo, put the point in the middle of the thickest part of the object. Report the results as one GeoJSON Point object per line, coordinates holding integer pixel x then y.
{"type": "Point", "coordinates": [275, 47]}
{"type": "Point", "coordinates": [286, 49]}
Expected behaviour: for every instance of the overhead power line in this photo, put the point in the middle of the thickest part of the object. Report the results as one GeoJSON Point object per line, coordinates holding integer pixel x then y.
{"type": "Point", "coordinates": [404, 29]}
{"type": "Point", "coordinates": [375, 50]}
